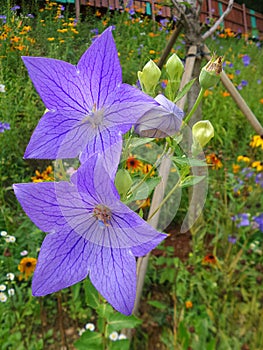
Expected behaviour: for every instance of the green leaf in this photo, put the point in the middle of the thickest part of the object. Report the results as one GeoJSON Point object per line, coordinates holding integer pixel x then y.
{"type": "Point", "coordinates": [91, 294]}
{"type": "Point", "coordinates": [183, 335]}
{"type": "Point", "coordinates": [75, 291]}
{"type": "Point", "coordinates": [104, 310]}
{"type": "Point", "coordinates": [89, 340]}
{"type": "Point", "coordinates": [140, 141]}
{"type": "Point", "coordinates": [117, 321]}
{"type": "Point", "coordinates": [157, 304]}
{"type": "Point", "coordinates": [189, 161]}
{"type": "Point", "coordinates": [184, 90]}
{"type": "Point", "coordinates": [144, 190]}
{"type": "Point", "coordinates": [123, 344]}
{"type": "Point", "coordinates": [191, 180]}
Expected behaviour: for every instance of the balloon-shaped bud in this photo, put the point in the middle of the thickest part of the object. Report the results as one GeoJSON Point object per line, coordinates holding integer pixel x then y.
{"type": "Point", "coordinates": [174, 67]}
{"type": "Point", "coordinates": [202, 132]}
{"type": "Point", "coordinates": [123, 182]}
{"type": "Point", "coordinates": [149, 77]}
{"type": "Point", "coordinates": [210, 73]}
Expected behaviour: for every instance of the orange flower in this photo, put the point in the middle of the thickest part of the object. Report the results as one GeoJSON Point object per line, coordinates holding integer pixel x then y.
{"type": "Point", "coordinates": [235, 168]}
{"type": "Point", "coordinates": [230, 76]}
{"type": "Point", "coordinates": [214, 161]}
{"type": "Point", "coordinates": [225, 94]}
{"type": "Point", "coordinates": [133, 164]}
{"type": "Point", "coordinates": [26, 267]}
{"type": "Point", "coordinates": [207, 93]}
{"type": "Point", "coordinates": [188, 304]}
{"type": "Point", "coordinates": [209, 260]}
{"type": "Point", "coordinates": [144, 203]}
{"type": "Point", "coordinates": [261, 100]}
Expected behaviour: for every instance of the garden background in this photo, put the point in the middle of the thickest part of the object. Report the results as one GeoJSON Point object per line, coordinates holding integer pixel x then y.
{"type": "Point", "coordinates": [203, 289]}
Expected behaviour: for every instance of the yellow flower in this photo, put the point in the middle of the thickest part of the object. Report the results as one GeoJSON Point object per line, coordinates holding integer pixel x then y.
{"type": "Point", "coordinates": [62, 30]}
{"type": "Point", "coordinates": [257, 141]}
{"type": "Point", "coordinates": [50, 39]}
{"type": "Point", "coordinates": [26, 267]}
{"type": "Point", "coordinates": [148, 168]}
{"type": "Point", "coordinates": [46, 175]}
{"type": "Point", "coordinates": [243, 159]}
{"type": "Point", "coordinates": [188, 304]}
{"type": "Point", "coordinates": [258, 165]}
{"type": "Point", "coordinates": [151, 52]}
{"type": "Point", "coordinates": [74, 31]}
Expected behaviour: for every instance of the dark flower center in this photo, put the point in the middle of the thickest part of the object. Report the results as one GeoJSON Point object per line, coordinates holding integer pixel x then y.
{"type": "Point", "coordinates": [102, 214]}
{"type": "Point", "coordinates": [28, 264]}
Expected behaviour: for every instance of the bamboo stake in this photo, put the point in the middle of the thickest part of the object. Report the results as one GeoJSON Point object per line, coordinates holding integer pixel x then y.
{"type": "Point", "coordinates": [170, 44]}
{"type": "Point", "coordinates": [238, 98]}
{"type": "Point", "coordinates": [77, 6]}
{"type": "Point", "coordinates": [158, 195]}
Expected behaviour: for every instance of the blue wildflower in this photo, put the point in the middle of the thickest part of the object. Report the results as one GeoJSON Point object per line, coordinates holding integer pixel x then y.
{"type": "Point", "coordinates": [89, 108]}
{"type": "Point", "coordinates": [232, 239]}
{"type": "Point", "coordinates": [259, 179]}
{"type": "Point", "coordinates": [259, 220]}
{"type": "Point", "coordinates": [15, 8]}
{"type": "Point", "coordinates": [4, 126]}
{"type": "Point", "coordinates": [90, 232]}
{"type": "Point", "coordinates": [246, 60]}
{"type": "Point", "coordinates": [242, 219]}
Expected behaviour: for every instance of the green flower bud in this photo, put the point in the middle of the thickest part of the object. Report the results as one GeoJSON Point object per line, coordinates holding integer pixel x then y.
{"type": "Point", "coordinates": [210, 73]}
{"type": "Point", "coordinates": [174, 68]}
{"type": "Point", "coordinates": [149, 77]}
{"type": "Point", "coordinates": [202, 132]}
{"type": "Point", "coordinates": [123, 181]}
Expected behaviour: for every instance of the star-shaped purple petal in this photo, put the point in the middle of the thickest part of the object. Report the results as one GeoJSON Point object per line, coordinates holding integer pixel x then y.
{"type": "Point", "coordinates": [160, 121]}
{"type": "Point", "coordinates": [88, 105]}
{"type": "Point", "coordinates": [90, 233]}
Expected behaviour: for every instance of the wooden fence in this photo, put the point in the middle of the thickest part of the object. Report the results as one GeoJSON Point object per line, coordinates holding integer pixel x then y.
{"type": "Point", "coordinates": [239, 20]}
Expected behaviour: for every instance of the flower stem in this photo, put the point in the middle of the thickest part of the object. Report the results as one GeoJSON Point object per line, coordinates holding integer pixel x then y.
{"type": "Point", "coordinates": [176, 186]}
{"type": "Point", "coordinates": [60, 322]}
{"type": "Point", "coordinates": [194, 108]}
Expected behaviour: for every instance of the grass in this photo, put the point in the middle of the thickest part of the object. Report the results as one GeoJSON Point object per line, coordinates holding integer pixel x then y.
{"type": "Point", "coordinates": [210, 298]}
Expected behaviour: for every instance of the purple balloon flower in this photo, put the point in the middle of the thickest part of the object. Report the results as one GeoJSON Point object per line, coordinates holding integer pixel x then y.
{"type": "Point", "coordinates": [89, 107]}
{"type": "Point", "coordinates": [90, 233]}
{"type": "Point", "coordinates": [160, 121]}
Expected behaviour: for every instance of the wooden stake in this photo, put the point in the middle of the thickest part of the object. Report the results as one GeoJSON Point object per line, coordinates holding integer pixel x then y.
{"type": "Point", "coordinates": [238, 99]}
{"type": "Point", "coordinates": [159, 191]}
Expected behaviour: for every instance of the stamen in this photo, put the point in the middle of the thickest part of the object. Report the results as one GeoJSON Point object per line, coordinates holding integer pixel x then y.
{"type": "Point", "coordinates": [103, 215]}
